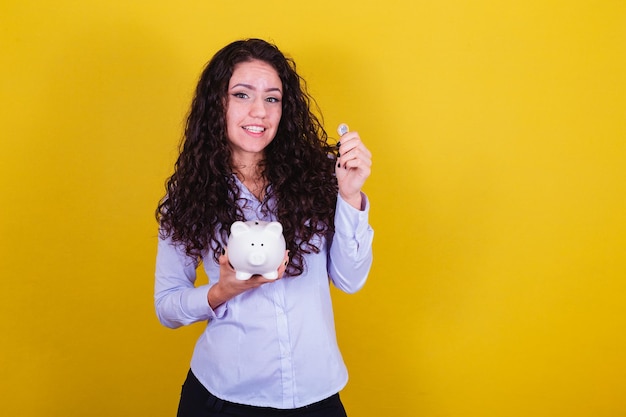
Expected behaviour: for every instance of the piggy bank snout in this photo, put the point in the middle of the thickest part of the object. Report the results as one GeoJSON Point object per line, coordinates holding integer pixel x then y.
{"type": "Point", "coordinates": [257, 258]}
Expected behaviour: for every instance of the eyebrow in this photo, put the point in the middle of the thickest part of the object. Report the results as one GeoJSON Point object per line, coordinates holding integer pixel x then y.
{"type": "Point", "coordinates": [250, 87]}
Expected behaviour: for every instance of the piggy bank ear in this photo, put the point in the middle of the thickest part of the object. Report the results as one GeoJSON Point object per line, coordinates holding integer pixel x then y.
{"type": "Point", "coordinates": [239, 228]}
{"type": "Point", "coordinates": [274, 228]}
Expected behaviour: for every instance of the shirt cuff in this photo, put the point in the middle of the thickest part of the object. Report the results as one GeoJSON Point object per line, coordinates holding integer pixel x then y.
{"type": "Point", "coordinates": [350, 221]}
{"type": "Point", "coordinates": [197, 304]}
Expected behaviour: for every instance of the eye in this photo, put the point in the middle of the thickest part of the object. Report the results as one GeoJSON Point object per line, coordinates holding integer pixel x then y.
{"type": "Point", "coordinates": [240, 95]}
{"type": "Point", "coordinates": [272, 100]}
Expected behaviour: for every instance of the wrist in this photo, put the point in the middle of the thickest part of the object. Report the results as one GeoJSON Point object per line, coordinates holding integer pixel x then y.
{"type": "Point", "coordinates": [355, 200]}
{"type": "Point", "coordinates": [215, 296]}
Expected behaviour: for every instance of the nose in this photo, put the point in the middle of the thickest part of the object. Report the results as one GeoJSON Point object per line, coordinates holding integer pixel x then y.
{"type": "Point", "coordinates": [257, 108]}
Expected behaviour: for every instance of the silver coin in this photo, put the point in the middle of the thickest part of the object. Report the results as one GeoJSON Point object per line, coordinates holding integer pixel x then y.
{"type": "Point", "coordinates": [342, 129]}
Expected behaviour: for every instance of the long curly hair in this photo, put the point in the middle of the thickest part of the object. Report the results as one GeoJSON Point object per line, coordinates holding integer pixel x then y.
{"type": "Point", "coordinates": [201, 200]}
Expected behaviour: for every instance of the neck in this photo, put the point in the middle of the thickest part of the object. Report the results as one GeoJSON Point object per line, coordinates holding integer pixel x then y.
{"type": "Point", "coordinates": [247, 172]}
{"type": "Point", "coordinates": [246, 164]}
{"type": "Point", "coordinates": [251, 176]}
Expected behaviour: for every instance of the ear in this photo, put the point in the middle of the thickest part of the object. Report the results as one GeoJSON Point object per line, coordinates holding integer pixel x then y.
{"type": "Point", "coordinates": [239, 228]}
{"type": "Point", "coordinates": [274, 228]}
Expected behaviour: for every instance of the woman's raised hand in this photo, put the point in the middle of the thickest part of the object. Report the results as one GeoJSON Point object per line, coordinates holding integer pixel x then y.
{"type": "Point", "coordinates": [354, 165]}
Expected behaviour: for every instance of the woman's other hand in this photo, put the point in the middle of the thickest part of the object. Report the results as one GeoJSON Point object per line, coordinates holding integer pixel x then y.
{"type": "Point", "coordinates": [228, 286]}
{"type": "Point", "coordinates": [354, 165]}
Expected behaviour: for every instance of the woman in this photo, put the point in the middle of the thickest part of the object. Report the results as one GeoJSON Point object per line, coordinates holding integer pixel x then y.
{"type": "Point", "coordinates": [254, 150]}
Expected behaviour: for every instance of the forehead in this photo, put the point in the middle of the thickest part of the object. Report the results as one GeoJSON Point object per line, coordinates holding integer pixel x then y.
{"type": "Point", "coordinates": [254, 71]}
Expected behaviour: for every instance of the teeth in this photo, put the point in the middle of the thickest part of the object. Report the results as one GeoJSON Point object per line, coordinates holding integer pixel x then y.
{"type": "Point", "coordinates": [255, 129]}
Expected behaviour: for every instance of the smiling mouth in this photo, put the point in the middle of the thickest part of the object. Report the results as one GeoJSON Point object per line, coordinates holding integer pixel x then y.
{"type": "Point", "coordinates": [254, 129]}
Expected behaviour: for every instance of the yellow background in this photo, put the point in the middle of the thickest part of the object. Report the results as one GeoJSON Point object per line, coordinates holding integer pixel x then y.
{"type": "Point", "coordinates": [498, 195]}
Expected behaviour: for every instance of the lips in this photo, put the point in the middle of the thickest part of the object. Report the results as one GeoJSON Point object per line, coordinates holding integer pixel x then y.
{"type": "Point", "coordinates": [254, 129]}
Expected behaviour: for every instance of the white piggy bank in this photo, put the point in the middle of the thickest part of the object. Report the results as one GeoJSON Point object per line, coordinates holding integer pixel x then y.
{"type": "Point", "coordinates": [256, 248]}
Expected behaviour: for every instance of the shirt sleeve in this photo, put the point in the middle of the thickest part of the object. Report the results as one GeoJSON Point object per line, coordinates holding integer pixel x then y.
{"type": "Point", "coordinates": [350, 254]}
{"type": "Point", "coordinates": [177, 300]}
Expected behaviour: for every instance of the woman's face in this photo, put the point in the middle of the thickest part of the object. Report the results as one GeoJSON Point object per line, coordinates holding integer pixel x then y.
{"type": "Point", "coordinates": [253, 109]}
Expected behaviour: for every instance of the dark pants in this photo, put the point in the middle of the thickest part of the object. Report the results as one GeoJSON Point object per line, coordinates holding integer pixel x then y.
{"type": "Point", "coordinates": [196, 401]}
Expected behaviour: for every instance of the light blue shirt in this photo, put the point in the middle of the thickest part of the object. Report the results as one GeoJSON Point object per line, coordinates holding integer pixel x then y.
{"type": "Point", "coordinates": [273, 346]}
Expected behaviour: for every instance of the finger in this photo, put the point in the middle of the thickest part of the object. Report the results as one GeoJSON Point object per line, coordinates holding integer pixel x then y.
{"type": "Point", "coordinates": [361, 165]}
{"type": "Point", "coordinates": [283, 267]}
{"type": "Point", "coordinates": [347, 149]}
{"type": "Point", "coordinates": [223, 259]}
{"type": "Point", "coordinates": [357, 145]}
{"type": "Point", "coordinates": [357, 158]}
{"type": "Point", "coordinates": [347, 141]}
{"type": "Point", "coordinates": [354, 146]}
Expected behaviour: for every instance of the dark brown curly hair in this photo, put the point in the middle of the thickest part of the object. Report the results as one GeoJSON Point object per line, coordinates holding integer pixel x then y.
{"type": "Point", "coordinates": [201, 196]}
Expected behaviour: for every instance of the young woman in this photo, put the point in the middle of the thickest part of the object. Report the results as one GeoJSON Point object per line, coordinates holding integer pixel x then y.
{"type": "Point", "coordinates": [254, 150]}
